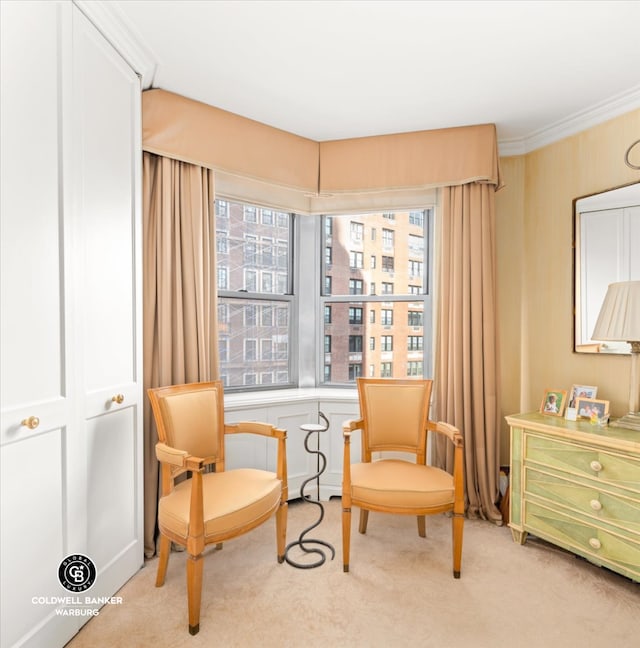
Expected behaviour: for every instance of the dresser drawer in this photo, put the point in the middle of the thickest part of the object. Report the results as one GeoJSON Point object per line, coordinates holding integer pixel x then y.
{"type": "Point", "coordinates": [612, 507]}
{"type": "Point", "coordinates": [600, 546]}
{"type": "Point", "coordinates": [584, 461]}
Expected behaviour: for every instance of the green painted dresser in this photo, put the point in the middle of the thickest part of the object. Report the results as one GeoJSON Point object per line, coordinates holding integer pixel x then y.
{"type": "Point", "coordinates": [577, 485]}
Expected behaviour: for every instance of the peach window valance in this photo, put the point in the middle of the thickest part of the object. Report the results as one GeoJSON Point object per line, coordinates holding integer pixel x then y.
{"type": "Point", "coordinates": [420, 159]}
{"type": "Point", "coordinates": [238, 147]}
{"type": "Point", "coordinates": [194, 132]}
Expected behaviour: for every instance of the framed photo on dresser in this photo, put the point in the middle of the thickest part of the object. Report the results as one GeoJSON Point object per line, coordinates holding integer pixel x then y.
{"type": "Point", "coordinates": [589, 407]}
{"type": "Point", "coordinates": [581, 391]}
{"type": "Point", "coordinates": [553, 402]}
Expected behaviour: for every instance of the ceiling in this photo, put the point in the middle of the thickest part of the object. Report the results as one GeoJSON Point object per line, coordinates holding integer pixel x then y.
{"type": "Point", "coordinates": [337, 69]}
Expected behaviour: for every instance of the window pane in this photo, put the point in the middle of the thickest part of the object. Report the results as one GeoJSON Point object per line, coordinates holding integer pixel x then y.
{"type": "Point", "coordinates": [254, 342]}
{"type": "Point", "coordinates": [355, 315]}
{"type": "Point", "coordinates": [376, 289]}
{"type": "Point", "coordinates": [395, 259]}
{"type": "Point", "coordinates": [355, 286]}
{"type": "Point", "coordinates": [254, 252]}
{"type": "Point", "coordinates": [416, 218]}
{"type": "Point", "coordinates": [355, 344]}
{"type": "Point", "coordinates": [398, 352]}
{"type": "Point", "coordinates": [253, 248]}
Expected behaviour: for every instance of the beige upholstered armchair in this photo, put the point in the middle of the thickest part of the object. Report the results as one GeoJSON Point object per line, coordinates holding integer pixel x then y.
{"type": "Point", "coordinates": [212, 505]}
{"type": "Point", "coordinates": [395, 419]}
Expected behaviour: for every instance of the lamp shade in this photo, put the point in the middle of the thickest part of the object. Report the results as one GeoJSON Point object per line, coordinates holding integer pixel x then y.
{"type": "Point", "coordinates": [619, 317]}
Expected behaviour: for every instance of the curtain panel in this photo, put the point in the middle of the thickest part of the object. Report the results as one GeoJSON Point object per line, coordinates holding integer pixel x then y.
{"type": "Point", "coordinates": [179, 294]}
{"type": "Point", "coordinates": [466, 375]}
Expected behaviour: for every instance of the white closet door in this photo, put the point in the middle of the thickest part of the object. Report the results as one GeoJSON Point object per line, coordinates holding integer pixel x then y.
{"type": "Point", "coordinates": [71, 457]}
{"type": "Point", "coordinates": [107, 211]}
{"type": "Point", "coordinates": [36, 356]}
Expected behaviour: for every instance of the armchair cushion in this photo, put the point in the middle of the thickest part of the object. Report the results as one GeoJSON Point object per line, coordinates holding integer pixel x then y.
{"type": "Point", "coordinates": [394, 483]}
{"type": "Point", "coordinates": [231, 500]}
{"type": "Point", "coordinates": [191, 421]}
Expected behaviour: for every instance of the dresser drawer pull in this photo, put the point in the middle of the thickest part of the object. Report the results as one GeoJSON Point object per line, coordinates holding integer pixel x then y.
{"type": "Point", "coordinates": [595, 505]}
{"type": "Point", "coordinates": [595, 543]}
{"type": "Point", "coordinates": [596, 465]}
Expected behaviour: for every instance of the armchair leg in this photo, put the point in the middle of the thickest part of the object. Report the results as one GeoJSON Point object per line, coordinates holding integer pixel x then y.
{"type": "Point", "coordinates": [163, 559]}
{"type": "Point", "coordinates": [457, 525]}
{"type": "Point", "coordinates": [364, 519]}
{"type": "Point", "coordinates": [346, 537]}
{"type": "Point", "coordinates": [422, 528]}
{"type": "Point", "coordinates": [194, 591]}
{"type": "Point", "coordinates": [281, 529]}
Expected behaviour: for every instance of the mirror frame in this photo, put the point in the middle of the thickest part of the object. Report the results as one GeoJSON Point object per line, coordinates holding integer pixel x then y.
{"type": "Point", "coordinates": [576, 306]}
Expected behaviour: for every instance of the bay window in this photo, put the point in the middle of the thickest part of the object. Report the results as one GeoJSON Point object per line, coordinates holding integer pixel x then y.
{"type": "Point", "coordinates": [267, 330]}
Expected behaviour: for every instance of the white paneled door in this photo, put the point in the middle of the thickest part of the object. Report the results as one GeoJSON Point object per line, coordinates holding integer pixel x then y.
{"type": "Point", "coordinates": [37, 410]}
{"type": "Point", "coordinates": [107, 159]}
{"type": "Point", "coordinates": [71, 332]}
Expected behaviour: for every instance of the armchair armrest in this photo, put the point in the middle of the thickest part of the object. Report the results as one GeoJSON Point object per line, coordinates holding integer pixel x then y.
{"type": "Point", "coordinates": [347, 428]}
{"type": "Point", "coordinates": [254, 427]}
{"type": "Point", "coordinates": [179, 458]}
{"type": "Point", "coordinates": [452, 433]}
{"type": "Point", "coordinates": [350, 425]}
{"type": "Point", "coordinates": [173, 456]}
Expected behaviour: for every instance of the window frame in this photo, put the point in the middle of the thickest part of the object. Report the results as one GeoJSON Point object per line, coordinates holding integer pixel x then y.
{"type": "Point", "coordinates": [306, 277]}
{"type": "Point", "coordinates": [326, 299]}
{"type": "Point", "coordinates": [272, 300]}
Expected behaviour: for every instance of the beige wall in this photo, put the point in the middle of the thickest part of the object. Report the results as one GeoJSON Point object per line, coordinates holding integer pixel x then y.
{"type": "Point", "coordinates": [534, 262]}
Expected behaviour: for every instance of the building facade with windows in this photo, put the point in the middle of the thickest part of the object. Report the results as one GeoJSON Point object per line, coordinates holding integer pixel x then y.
{"type": "Point", "coordinates": [253, 247]}
{"type": "Point", "coordinates": [376, 265]}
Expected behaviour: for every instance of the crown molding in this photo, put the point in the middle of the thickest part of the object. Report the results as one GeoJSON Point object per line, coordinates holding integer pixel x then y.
{"type": "Point", "coordinates": [109, 20]}
{"type": "Point", "coordinates": [513, 146]}
{"type": "Point", "coordinates": [597, 114]}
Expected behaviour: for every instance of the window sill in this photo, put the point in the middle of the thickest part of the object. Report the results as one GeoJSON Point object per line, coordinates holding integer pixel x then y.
{"type": "Point", "coordinates": [241, 400]}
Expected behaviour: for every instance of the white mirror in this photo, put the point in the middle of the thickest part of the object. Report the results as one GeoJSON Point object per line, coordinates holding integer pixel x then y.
{"type": "Point", "coordinates": [606, 250]}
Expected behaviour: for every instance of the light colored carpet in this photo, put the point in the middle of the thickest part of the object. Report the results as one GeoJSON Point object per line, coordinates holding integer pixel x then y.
{"type": "Point", "coordinates": [400, 592]}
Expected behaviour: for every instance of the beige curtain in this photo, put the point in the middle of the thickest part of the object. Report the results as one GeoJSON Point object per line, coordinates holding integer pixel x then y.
{"type": "Point", "coordinates": [179, 294]}
{"type": "Point", "coordinates": [466, 380]}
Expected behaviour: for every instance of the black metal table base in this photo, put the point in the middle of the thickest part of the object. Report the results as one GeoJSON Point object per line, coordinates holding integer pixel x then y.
{"type": "Point", "coordinates": [312, 545]}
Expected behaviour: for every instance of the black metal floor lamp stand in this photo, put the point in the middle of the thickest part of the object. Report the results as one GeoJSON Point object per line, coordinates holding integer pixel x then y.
{"type": "Point", "coordinates": [310, 545]}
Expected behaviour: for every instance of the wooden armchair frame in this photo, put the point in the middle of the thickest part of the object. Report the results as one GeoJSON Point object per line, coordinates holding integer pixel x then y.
{"type": "Point", "coordinates": [176, 461]}
{"type": "Point", "coordinates": [430, 504]}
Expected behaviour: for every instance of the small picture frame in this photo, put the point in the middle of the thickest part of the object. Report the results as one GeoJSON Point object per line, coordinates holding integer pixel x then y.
{"type": "Point", "coordinates": [581, 391]}
{"type": "Point", "coordinates": [553, 402]}
{"type": "Point", "coordinates": [590, 407]}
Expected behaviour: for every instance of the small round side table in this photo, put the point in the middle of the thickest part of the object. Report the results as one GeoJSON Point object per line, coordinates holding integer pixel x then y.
{"type": "Point", "coordinates": [312, 545]}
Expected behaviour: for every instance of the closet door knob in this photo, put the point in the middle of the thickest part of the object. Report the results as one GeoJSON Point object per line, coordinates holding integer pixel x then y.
{"type": "Point", "coordinates": [596, 465]}
{"type": "Point", "coordinates": [118, 398]}
{"type": "Point", "coordinates": [32, 422]}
